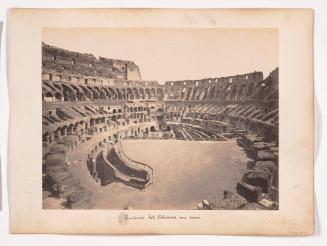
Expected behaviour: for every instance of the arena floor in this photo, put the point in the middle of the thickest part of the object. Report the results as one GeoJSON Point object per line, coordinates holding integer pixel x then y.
{"type": "Point", "coordinates": [185, 173]}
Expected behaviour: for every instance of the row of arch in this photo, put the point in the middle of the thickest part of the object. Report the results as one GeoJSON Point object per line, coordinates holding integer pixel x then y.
{"type": "Point", "coordinates": [81, 126]}
{"type": "Point", "coordinates": [263, 121]}
{"type": "Point", "coordinates": [57, 91]}
{"type": "Point", "coordinates": [226, 92]}
{"type": "Point", "coordinates": [120, 135]}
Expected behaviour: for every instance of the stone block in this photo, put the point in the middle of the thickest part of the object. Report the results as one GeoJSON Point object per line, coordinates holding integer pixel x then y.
{"type": "Point", "coordinates": [260, 178]}
{"type": "Point", "coordinates": [264, 155]}
{"type": "Point", "coordinates": [253, 206]}
{"type": "Point", "coordinates": [262, 165]}
{"type": "Point", "coordinates": [249, 192]}
{"type": "Point", "coordinates": [231, 201]}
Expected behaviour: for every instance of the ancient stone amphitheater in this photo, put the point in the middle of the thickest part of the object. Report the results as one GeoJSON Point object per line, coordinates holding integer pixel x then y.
{"type": "Point", "coordinates": [96, 111]}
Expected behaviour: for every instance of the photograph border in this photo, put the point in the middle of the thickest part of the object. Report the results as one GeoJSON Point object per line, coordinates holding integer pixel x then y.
{"type": "Point", "coordinates": [296, 143]}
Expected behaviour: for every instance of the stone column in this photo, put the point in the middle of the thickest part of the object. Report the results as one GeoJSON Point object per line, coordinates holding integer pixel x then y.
{"type": "Point", "coordinates": [65, 131]}
{"type": "Point", "coordinates": [52, 137]}
{"type": "Point", "coordinates": [59, 134]}
{"type": "Point", "coordinates": [47, 140]}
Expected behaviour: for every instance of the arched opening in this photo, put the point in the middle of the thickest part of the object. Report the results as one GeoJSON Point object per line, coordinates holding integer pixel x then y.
{"type": "Point", "coordinates": [147, 93]}
{"type": "Point", "coordinates": [120, 94]}
{"type": "Point", "coordinates": [58, 96]}
{"type": "Point", "coordinates": [153, 93]}
{"type": "Point", "coordinates": [92, 122]}
{"type": "Point", "coordinates": [141, 92]}
{"type": "Point", "coordinates": [152, 129]}
{"type": "Point", "coordinates": [71, 129]}
{"type": "Point", "coordinates": [48, 97]}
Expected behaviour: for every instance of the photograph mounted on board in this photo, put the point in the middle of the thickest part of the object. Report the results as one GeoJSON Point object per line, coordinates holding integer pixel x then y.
{"type": "Point", "coordinates": [2, 132]}
{"type": "Point", "coordinates": [160, 118]}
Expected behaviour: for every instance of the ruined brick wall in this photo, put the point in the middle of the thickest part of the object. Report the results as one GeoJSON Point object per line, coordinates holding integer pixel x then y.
{"type": "Point", "coordinates": [65, 61]}
{"type": "Point", "coordinates": [72, 76]}
{"type": "Point", "coordinates": [238, 87]}
{"type": "Point", "coordinates": [246, 102]}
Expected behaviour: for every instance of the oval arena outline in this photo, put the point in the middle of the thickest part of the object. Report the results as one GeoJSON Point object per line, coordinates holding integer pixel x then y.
{"type": "Point", "coordinates": [104, 127]}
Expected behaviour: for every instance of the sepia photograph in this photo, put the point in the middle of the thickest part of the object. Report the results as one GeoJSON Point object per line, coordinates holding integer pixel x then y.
{"type": "Point", "coordinates": [160, 118]}
{"type": "Point", "coordinates": [1, 132]}
{"type": "Point", "coordinates": [161, 121]}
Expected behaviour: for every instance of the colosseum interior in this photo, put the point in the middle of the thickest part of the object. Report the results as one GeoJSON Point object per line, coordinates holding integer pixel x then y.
{"type": "Point", "coordinates": [114, 141]}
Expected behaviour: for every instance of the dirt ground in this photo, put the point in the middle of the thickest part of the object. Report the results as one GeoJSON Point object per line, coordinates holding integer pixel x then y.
{"type": "Point", "coordinates": [185, 173]}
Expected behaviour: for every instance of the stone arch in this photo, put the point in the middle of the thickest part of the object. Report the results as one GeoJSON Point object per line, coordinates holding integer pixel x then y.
{"type": "Point", "coordinates": [130, 94]}
{"type": "Point", "coordinates": [160, 93]}
{"type": "Point", "coordinates": [259, 92]}
{"type": "Point", "coordinates": [120, 94]}
{"type": "Point", "coordinates": [48, 97]}
{"type": "Point", "coordinates": [87, 92]}
{"type": "Point", "coordinates": [210, 92]}
{"type": "Point", "coordinates": [113, 93]}
{"type": "Point", "coordinates": [203, 93]}
{"type": "Point", "coordinates": [69, 94]}
{"type": "Point", "coordinates": [153, 93]}
{"type": "Point", "coordinates": [147, 93]}
{"type": "Point", "coordinates": [136, 93]}
{"type": "Point", "coordinates": [232, 94]}
{"type": "Point", "coordinates": [242, 91]}
{"type": "Point", "coordinates": [96, 95]}
{"type": "Point", "coordinates": [189, 93]}
{"type": "Point", "coordinates": [58, 96]}
{"type": "Point", "coordinates": [80, 96]}
{"type": "Point", "coordinates": [107, 92]}
{"type": "Point", "coordinates": [123, 90]}
{"type": "Point", "coordinates": [196, 93]}
{"type": "Point", "coordinates": [183, 93]}
{"type": "Point", "coordinates": [92, 122]}
{"type": "Point", "coordinates": [71, 128]}
{"type": "Point", "coordinates": [249, 91]}
{"type": "Point", "coordinates": [102, 94]}
{"type": "Point", "coordinates": [142, 94]}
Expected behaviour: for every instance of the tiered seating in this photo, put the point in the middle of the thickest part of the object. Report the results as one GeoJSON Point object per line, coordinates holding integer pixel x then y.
{"type": "Point", "coordinates": [89, 102]}
{"type": "Point", "coordinates": [245, 108]}
{"type": "Point", "coordinates": [227, 119]}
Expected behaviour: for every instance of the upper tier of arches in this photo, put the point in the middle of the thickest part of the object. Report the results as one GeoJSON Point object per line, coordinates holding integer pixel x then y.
{"type": "Point", "coordinates": [234, 88]}
{"type": "Point", "coordinates": [61, 91]}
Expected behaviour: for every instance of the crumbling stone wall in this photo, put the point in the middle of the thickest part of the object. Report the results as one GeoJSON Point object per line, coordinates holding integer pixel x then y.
{"type": "Point", "coordinates": [54, 58]}
{"type": "Point", "coordinates": [60, 181]}
{"type": "Point", "coordinates": [238, 87]}
{"type": "Point", "coordinates": [83, 96]}
{"type": "Point", "coordinates": [249, 86]}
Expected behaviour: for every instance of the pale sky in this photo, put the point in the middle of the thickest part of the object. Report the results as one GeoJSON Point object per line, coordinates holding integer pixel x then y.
{"type": "Point", "coordinates": [176, 54]}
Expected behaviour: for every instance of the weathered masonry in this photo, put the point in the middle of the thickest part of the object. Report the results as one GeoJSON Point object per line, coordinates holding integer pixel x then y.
{"type": "Point", "coordinates": [90, 104]}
